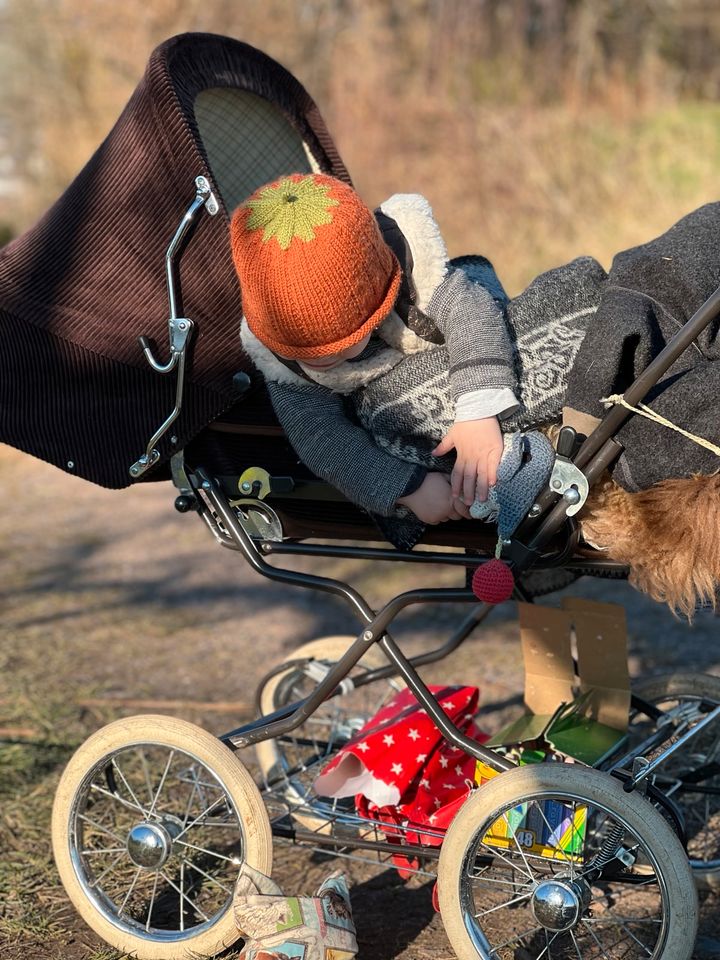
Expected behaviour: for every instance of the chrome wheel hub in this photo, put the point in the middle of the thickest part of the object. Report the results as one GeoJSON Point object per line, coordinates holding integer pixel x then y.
{"type": "Point", "coordinates": [558, 904]}
{"type": "Point", "coordinates": [150, 844]}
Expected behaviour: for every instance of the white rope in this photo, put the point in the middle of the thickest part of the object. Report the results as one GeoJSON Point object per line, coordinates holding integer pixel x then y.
{"type": "Point", "coordinates": [645, 411]}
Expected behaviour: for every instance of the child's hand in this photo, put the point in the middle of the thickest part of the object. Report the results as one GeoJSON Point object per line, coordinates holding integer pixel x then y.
{"type": "Point", "coordinates": [433, 501]}
{"type": "Point", "coordinates": [479, 446]}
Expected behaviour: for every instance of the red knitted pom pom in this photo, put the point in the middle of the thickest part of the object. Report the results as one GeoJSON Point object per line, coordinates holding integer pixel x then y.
{"type": "Point", "coordinates": [493, 582]}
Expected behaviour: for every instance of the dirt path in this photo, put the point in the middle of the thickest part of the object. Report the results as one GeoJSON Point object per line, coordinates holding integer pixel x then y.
{"type": "Point", "coordinates": [107, 595]}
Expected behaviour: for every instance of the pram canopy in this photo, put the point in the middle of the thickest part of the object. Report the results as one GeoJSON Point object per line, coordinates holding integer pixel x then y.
{"type": "Point", "coordinates": [80, 287]}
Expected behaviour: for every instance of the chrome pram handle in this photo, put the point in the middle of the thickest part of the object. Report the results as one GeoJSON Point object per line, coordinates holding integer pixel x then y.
{"type": "Point", "coordinates": [179, 328]}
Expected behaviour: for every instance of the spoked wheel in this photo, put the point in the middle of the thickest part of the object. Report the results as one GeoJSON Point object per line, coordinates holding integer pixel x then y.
{"type": "Point", "coordinates": [556, 862]}
{"type": "Point", "coordinates": [691, 777]}
{"type": "Point", "coordinates": [289, 764]}
{"type": "Point", "coordinates": [152, 820]}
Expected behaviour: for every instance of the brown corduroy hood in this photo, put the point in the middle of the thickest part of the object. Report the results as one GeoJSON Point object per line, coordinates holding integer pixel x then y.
{"type": "Point", "coordinates": [78, 288]}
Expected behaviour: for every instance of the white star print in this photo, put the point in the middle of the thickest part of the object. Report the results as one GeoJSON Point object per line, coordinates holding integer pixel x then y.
{"type": "Point", "coordinates": [437, 801]}
{"type": "Point", "coordinates": [413, 734]}
{"type": "Point", "coordinates": [421, 758]}
{"type": "Point", "coordinates": [444, 762]}
{"type": "Point", "coordinates": [458, 770]}
{"type": "Point", "coordinates": [432, 818]}
{"type": "Point", "coordinates": [388, 739]}
{"type": "Point", "coordinates": [396, 768]}
{"type": "Point", "coordinates": [425, 783]}
{"type": "Point", "coordinates": [448, 704]}
{"type": "Point", "coordinates": [363, 746]}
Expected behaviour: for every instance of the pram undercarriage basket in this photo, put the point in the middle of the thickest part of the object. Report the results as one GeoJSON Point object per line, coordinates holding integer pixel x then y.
{"type": "Point", "coordinates": [154, 817]}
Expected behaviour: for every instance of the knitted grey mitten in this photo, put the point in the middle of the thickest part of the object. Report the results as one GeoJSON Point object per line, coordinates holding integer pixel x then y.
{"type": "Point", "coordinates": [524, 470]}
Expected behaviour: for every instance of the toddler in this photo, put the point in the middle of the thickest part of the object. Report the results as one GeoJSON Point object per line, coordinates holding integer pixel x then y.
{"type": "Point", "coordinates": [381, 357]}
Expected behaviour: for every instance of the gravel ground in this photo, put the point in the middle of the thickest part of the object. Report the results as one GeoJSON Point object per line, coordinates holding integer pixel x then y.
{"type": "Point", "coordinates": [111, 595]}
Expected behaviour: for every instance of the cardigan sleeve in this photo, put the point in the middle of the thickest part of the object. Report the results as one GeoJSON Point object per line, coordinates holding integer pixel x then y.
{"type": "Point", "coordinates": [338, 451]}
{"type": "Point", "coordinates": [478, 343]}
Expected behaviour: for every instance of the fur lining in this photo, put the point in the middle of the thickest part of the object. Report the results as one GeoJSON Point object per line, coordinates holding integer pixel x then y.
{"type": "Point", "coordinates": [414, 216]}
{"type": "Point", "coordinates": [347, 377]}
{"type": "Point", "coordinates": [265, 360]}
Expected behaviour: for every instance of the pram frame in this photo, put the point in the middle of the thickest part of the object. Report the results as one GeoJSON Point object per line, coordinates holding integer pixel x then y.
{"type": "Point", "coordinates": [540, 543]}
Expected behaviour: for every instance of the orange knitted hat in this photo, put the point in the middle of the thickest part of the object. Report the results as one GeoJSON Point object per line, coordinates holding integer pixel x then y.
{"type": "Point", "coordinates": [315, 272]}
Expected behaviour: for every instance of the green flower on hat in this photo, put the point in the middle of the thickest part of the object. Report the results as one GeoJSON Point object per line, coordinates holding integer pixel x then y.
{"type": "Point", "coordinates": [289, 209]}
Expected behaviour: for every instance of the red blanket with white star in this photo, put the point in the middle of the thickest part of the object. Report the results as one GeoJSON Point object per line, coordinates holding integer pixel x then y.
{"type": "Point", "coordinates": [402, 771]}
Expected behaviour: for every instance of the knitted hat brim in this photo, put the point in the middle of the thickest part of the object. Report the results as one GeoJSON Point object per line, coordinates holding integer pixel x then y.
{"type": "Point", "coordinates": [315, 351]}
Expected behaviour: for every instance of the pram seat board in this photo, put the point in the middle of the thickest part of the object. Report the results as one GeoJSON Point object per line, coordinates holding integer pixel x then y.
{"type": "Point", "coordinates": [80, 287]}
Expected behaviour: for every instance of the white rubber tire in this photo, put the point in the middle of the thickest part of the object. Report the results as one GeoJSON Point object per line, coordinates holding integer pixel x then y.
{"type": "Point", "coordinates": [584, 783]}
{"type": "Point", "coordinates": [239, 786]}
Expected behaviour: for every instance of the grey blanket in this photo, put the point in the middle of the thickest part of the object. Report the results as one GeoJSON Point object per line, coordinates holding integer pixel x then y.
{"type": "Point", "coordinates": [652, 290]}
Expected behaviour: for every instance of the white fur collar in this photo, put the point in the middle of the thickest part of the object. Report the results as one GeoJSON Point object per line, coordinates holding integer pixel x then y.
{"type": "Point", "coordinates": [341, 379]}
{"type": "Point", "coordinates": [413, 214]}
{"type": "Point", "coordinates": [265, 360]}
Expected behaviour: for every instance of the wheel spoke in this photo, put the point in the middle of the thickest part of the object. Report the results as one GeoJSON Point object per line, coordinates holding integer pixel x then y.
{"type": "Point", "coordinates": [480, 879]}
{"type": "Point", "coordinates": [546, 949]}
{"type": "Point", "coordinates": [96, 880]}
{"type": "Point", "coordinates": [513, 866]}
{"type": "Point", "coordinates": [517, 844]}
{"type": "Point", "coordinates": [182, 894]}
{"type": "Point", "coordinates": [564, 858]}
{"type": "Point", "coordinates": [519, 936]}
{"type": "Point", "coordinates": [129, 891]}
{"type": "Point", "coordinates": [98, 826]}
{"type": "Point", "coordinates": [146, 773]}
{"type": "Point", "coordinates": [575, 944]}
{"type": "Point", "coordinates": [509, 903]}
{"type": "Point", "coordinates": [629, 932]}
{"type": "Point", "coordinates": [183, 897]}
{"type": "Point", "coordinates": [93, 851]}
{"type": "Point", "coordinates": [197, 819]}
{"type": "Point", "coordinates": [617, 920]}
{"type": "Point", "coordinates": [152, 902]}
{"type": "Point", "coordinates": [208, 876]}
{"type": "Point", "coordinates": [162, 783]}
{"type": "Point", "coordinates": [116, 766]}
{"type": "Point", "coordinates": [210, 853]}
{"type": "Point", "coordinates": [128, 804]}
{"type": "Point", "coordinates": [595, 938]}
{"type": "Point", "coordinates": [190, 801]}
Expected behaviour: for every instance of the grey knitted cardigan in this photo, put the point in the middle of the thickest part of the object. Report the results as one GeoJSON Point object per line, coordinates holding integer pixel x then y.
{"type": "Point", "coordinates": [368, 425]}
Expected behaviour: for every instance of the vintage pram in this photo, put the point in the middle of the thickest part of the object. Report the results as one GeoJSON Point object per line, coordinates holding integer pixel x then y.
{"type": "Point", "coordinates": [154, 817]}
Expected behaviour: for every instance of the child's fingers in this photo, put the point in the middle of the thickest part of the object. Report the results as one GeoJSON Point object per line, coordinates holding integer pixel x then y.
{"type": "Point", "coordinates": [493, 462]}
{"type": "Point", "coordinates": [480, 483]}
{"type": "Point", "coordinates": [445, 446]}
{"type": "Point", "coordinates": [492, 465]}
{"type": "Point", "coordinates": [456, 478]}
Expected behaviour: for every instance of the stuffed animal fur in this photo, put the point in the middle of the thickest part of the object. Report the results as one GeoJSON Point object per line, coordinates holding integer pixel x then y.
{"type": "Point", "coordinates": [669, 536]}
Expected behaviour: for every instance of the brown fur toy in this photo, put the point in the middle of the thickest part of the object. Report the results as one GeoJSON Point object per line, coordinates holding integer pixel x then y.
{"type": "Point", "coordinates": [669, 536]}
